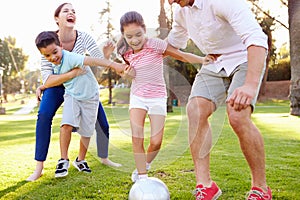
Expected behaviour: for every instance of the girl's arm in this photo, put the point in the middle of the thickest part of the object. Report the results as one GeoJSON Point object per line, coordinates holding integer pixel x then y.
{"type": "Point", "coordinates": [94, 62]}
{"type": "Point", "coordinates": [187, 57]}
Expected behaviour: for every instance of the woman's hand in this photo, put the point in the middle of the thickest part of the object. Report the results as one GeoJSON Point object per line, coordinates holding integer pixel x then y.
{"type": "Point", "coordinates": [108, 48]}
{"type": "Point", "coordinates": [39, 92]}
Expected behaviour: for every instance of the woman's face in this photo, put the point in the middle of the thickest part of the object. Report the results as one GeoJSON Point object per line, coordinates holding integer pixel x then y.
{"type": "Point", "coordinates": [134, 35]}
{"type": "Point", "coordinates": [66, 17]}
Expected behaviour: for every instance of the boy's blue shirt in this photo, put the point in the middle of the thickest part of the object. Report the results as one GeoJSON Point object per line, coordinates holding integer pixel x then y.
{"type": "Point", "coordinates": [81, 87]}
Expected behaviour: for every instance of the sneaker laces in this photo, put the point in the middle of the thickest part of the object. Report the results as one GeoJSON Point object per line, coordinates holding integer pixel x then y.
{"type": "Point", "coordinates": [257, 195]}
{"type": "Point", "coordinates": [199, 193]}
{"type": "Point", "coordinates": [60, 164]}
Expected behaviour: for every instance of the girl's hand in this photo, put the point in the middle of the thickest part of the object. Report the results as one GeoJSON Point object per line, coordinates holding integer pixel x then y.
{"type": "Point", "coordinates": [108, 48]}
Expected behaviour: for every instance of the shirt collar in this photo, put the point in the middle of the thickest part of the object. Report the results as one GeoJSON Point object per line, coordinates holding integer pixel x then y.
{"type": "Point", "coordinates": [198, 4]}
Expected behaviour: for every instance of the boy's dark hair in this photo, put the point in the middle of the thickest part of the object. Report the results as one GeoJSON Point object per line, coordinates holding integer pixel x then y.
{"type": "Point", "coordinates": [46, 38]}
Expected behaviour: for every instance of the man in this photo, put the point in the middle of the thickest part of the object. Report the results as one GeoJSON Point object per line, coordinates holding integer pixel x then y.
{"type": "Point", "coordinates": [227, 30]}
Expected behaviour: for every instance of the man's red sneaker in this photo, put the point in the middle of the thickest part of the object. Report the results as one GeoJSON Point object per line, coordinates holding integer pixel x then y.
{"type": "Point", "coordinates": [207, 193]}
{"type": "Point", "coordinates": [258, 194]}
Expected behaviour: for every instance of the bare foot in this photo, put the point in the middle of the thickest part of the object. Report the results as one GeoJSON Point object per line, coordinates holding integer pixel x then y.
{"type": "Point", "coordinates": [34, 176]}
{"type": "Point", "coordinates": [38, 172]}
{"type": "Point", "coordinates": [106, 161]}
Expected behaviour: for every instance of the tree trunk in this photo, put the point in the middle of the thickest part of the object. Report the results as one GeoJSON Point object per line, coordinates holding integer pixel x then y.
{"type": "Point", "coordinates": [294, 24]}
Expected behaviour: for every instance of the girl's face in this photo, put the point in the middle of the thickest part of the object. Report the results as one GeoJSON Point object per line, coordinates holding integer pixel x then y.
{"type": "Point", "coordinates": [135, 36]}
{"type": "Point", "coordinates": [66, 17]}
{"type": "Point", "coordinates": [53, 53]}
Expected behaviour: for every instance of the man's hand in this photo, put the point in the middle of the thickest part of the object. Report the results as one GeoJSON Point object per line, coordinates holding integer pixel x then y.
{"type": "Point", "coordinates": [242, 97]}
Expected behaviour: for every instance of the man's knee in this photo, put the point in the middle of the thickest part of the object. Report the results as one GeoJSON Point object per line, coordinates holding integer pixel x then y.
{"type": "Point", "coordinates": [199, 108]}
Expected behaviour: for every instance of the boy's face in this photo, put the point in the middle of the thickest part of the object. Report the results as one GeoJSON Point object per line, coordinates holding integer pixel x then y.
{"type": "Point", "coordinates": [53, 53]}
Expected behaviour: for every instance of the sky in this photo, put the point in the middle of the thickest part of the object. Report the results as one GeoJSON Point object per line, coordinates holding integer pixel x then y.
{"type": "Point", "coordinates": [24, 20]}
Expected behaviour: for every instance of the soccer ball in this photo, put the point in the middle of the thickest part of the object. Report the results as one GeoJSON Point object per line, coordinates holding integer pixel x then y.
{"type": "Point", "coordinates": [150, 188]}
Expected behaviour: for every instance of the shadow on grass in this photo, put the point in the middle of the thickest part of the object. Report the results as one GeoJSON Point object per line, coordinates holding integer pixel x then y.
{"type": "Point", "coordinates": [12, 188]}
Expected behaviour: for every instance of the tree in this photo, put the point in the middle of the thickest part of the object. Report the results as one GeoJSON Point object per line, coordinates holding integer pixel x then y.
{"type": "Point", "coordinates": [13, 61]}
{"type": "Point", "coordinates": [111, 74]}
{"type": "Point", "coordinates": [294, 24]}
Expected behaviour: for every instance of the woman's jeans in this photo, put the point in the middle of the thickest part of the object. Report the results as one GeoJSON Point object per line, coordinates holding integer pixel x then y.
{"type": "Point", "coordinates": [51, 100]}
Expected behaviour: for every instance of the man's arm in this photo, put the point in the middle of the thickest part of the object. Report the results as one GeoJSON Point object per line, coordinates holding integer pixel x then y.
{"type": "Point", "coordinates": [241, 97]}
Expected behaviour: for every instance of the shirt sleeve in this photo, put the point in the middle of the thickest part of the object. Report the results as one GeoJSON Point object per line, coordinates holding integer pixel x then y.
{"type": "Point", "coordinates": [242, 20]}
{"type": "Point", "coordinates": [46, 69]}
{"type": "Point", "coordinates": [92, 47]}
{"type": "Point", "coordinates": [74, 60]}
{"type": "Point", "coordinates": [178, 35]}
{"type": "Point", "coordinates": [159, 45]}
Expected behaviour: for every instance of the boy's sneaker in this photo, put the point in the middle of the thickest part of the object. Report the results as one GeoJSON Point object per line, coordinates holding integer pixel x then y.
{"type": "Point", "coordinates": [258, 194]}
{"type": "Point", "coordinates": [82, 166]}
{"type": "Point", "coordinates": [62, 168]}
{"type": "Point", "coordinates": [207, 193]}
{"type": "Point", "coordinates": [135, 174]}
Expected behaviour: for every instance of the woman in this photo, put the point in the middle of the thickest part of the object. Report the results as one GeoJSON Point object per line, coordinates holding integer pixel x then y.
{"type": "Point", "coordinates": [79, 42]}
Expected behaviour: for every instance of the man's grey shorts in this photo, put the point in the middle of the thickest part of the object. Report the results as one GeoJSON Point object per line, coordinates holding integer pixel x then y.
{"type": "Point", "coordinates": [82, 115]}
{"type": "Point", "coordinates": [219, 86]}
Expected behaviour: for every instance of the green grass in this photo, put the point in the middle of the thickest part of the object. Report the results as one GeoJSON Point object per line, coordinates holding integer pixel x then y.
{"type": "Point", "coordinates": [173, 165]}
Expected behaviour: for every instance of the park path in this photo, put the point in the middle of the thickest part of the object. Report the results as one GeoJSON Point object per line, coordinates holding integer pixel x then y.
{"type": "Point", "coordinates": [27, 108]}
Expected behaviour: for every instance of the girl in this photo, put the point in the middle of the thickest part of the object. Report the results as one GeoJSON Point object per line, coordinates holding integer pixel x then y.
{"type": "Point", "coordinates": [148, 90]}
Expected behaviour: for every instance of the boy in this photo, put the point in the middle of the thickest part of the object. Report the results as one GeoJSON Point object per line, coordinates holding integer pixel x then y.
{"type": "Point", "coordinates": [81, 97]}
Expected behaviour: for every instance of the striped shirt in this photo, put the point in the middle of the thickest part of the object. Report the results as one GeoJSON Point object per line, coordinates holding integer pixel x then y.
{"type": "Point", "coordinates": [84, 44]}
{"type": "Point", "coordinates": [148, 64]}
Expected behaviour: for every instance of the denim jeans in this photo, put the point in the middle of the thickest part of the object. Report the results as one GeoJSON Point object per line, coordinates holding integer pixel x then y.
{"type": "Point", "coordinates": [51, 100]}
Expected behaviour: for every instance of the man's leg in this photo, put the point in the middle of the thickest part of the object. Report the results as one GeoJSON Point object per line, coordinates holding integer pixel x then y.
{"type": "Point", "coordinates": [251, 143]}
{"type": "Point", "coordinates": [200, 137]}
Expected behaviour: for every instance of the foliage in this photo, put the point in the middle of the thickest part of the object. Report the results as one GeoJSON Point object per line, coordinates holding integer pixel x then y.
{"type": "Point", "coordinates": [280, 71]}
{"type": "Point", "coordinates": [13, 61]}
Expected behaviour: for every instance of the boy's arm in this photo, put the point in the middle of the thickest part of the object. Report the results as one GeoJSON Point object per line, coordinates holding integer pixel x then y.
{"type": "Point", "coordinates": [58, 79]}
{"type": "Point", "coordinates": [95, 62]}
{"type": "Point", "coordinates": [187, 57]}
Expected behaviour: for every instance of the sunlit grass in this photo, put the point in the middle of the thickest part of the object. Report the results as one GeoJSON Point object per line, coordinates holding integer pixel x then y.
{"type": "Point", "coordinates": [173, 165]}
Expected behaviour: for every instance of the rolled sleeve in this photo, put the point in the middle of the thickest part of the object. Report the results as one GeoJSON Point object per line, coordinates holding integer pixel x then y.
{"type": "Point", "coordinates": [178, 35]}
{"type": "Point", "coordinates": [250, 31]}
{"type": "Point", "coordinates": [46, 69]}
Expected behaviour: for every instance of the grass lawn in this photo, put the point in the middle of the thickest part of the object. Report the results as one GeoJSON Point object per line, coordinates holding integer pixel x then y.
{"type": "Point", "coordinates": [173, 165]}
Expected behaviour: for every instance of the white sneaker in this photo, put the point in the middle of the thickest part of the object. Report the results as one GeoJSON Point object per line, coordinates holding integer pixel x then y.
{"type": "Point", "coordinates": [62, 168]}
{"type": "Point", "coordinates": [135, 174]}
{"type": "Point", "coordinates": [82, 166]}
